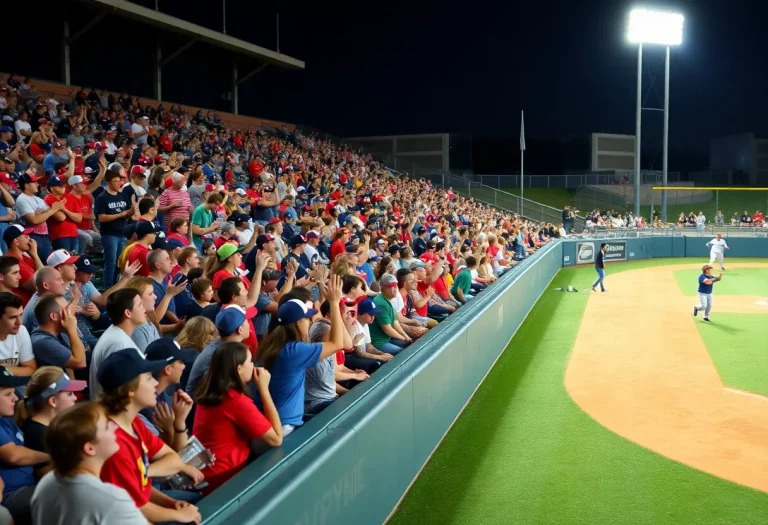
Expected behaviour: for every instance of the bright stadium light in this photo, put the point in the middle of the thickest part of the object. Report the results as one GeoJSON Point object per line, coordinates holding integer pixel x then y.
{"type": "Point", "coordinates": [655, 27]}
{"type": "Point", "coordinates": [666, 29]}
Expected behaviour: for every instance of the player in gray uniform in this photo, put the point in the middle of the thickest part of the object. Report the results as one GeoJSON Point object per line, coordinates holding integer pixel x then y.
{"type": "Point", "coordinates": [717, 250]}
{"type": "Point", "coordinates": [706, 283]}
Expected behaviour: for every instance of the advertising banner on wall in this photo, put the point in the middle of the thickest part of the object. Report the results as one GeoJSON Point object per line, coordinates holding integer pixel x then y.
{"type": "Point", "coordinates": [585, 252]}
{"type": "Point", "coordinates": [615, 250]}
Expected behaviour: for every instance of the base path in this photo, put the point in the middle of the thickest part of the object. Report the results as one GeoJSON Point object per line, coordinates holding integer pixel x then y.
{"type": "Point", "coordinates": [640, 368]}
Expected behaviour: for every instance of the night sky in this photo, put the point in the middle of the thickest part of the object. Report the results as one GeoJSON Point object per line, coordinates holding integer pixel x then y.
{"type": "Point", "coordinates": [449, 66]}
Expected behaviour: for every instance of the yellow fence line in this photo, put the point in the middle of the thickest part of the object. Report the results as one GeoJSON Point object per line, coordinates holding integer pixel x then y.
{"type": "Point", "coordinates": [699, 188]}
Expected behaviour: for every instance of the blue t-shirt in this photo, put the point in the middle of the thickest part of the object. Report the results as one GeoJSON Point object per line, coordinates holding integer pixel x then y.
{"type": "Point", "coordinates": [369, 275]}
{"type": "Point", "coordinates": [14, 477]}
{"type": "Point", "coordinates": [287, 384]}
{"type": "Point", "coordinates": [705, 288]}
{"type": "Point", "coordinates": [160, 293]}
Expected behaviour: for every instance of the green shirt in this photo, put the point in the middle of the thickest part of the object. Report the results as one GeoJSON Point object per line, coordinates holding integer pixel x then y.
{"type": "Point", "coordinates": [463, 281]}
{"type": "Point", "coordinates": [204, 219]}
{"type": "Point", "coordinates": [386, 316]}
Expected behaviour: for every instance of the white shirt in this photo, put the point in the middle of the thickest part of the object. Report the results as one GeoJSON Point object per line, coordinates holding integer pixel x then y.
{"type": "Point", "coordinates": [16, 348]}
{"type": "Point", "coordinates": [718, 247]}
{"type": "Point", "coordinates": [312, 254]}
{"type": "Point", "coordinates": [20, 125]}
{"type": "Point", "coordinates": [397, 303]}
{"type": "Point", "coordinates": [701, 219]}
{"type": "Point", "coordinates": [244, 236]}
{"type": "Point", "coordinates": [136, 129]}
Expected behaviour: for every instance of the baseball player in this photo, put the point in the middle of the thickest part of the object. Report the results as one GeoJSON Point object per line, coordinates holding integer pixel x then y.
{"type": "Point", "coordinates": [706, 282]}
{"type": "Point", "coordinates": [717, 250]}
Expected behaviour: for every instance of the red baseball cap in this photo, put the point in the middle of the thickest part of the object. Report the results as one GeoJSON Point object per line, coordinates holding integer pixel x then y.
{"type": "Point", "coordinates": [4, 177]}
{"type": "Point", "coordinates": [274, 220]}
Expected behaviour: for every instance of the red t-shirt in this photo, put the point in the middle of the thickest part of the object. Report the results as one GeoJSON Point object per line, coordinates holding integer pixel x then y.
{"type": "Point", "coordinates": [139, 253]}
{"type": "Point", "coordinates": [227, 430]}
{"type": "Point", "coordinates": [62, 229]}
{"type": "Point", "coordinates": [183, 239]}
{"type": "Point", "coordinates": [337, 248]}
{"type": "Point", "coordinates": [166, 143]}
{"type": "Point", "coordinates": [128, 467]}
{"type": "Point", "coordinates": [27, 271]}
{"type": "Point", "coordinates": [421, 287]}
{"type": "Point", "coordinates": [82, 204]}
{"type": "Point", "coordinates": [441, 289]}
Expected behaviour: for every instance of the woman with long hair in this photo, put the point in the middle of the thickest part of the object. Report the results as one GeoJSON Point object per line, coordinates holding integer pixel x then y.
{"type": "Point", "coordinates": [226, 421]}
{"type": "Point", "coordinates": [287, 354]}
{"type": "Point", "coordinates": [49, 393]}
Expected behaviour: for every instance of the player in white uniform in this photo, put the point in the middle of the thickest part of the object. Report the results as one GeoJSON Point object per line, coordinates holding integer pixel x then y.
{"type": "Point", "coordinates": [717, 250]}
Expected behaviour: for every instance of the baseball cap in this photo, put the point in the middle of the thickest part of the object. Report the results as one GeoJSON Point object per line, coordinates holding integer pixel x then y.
{"type": "Point", "coordinates": [263, 239]}
{"type": "Point", "coordinates": [88, 170]}
{"type": "Point", "coordinates": [124, 366]}
{"type": "Point", "coordinates": [228, 250]}
{"type": "Point", "coordinates": [129, 231]}
{"type": "Point", "coordinates": [367, 306]}
{"type": "Point", "coordinates": [27, 177]}
{"type": "Point", "coordinates": [240, 218]}
{"type": "Point", "coordinates": [312, 234]}
{"type": "Point", "coordinates": [351, 247]}
{"type": "Point", "coordinates": [706, 266]}
{"type": "Point", "coordinates": [174, 243]}
{"type": "Point", "coordinates": [417, 264]}
{"type": "Point", "coordinates": [58, 144]}
{"type": "Point", "coordinates": [274, 220]}
{"type": "Point", "coordinates": [139, 170]}
{"type": "Point", "coordinates": [4, 177]}
{"type": "Point", "coordinates": [6, 129]}
{"type": "Point", "coordinates": [388, 280]}
{"type": "Point", "coordinates": [75, 179]}
{"type": "Point", "coordinates": [394, 249]}
{"type": "Point", "coordinates": [164, 349]}
{"type": "Point", "coordinates": [59, 257]}
{"type": "Point", "coordinates": [144, 228]}
{"type": "Point", "coordinates": [83, 264]}
{"type": "Point", "coordinates": [14, 231]}
{"type": "Point", "coordinates": [294, 310]}
{"type": "Point", "coordinates": [62, 384]}
{"type": "Point", "coordinates": [55, 181]}
{"type": "Point", "coordinates": [228, 320]}
{"type": "Point", "coordinates": [240, 191]}
{"type": "Point", "coordinates": [296, 240]}
{"type": "Point", "coordinates": [9, 380]}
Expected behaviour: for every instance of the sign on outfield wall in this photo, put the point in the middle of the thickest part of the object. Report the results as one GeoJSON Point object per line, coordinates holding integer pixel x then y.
{"type": "Point", "coordinates": [616, 251]}
{"type": "Point", "coordinates": [585, 252]}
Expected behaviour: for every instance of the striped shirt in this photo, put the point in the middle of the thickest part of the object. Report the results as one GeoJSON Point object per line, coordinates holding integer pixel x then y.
{"type": "Point", "coordinates": [171, 196]}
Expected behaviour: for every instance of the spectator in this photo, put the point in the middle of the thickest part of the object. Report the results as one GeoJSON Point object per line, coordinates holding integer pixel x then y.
{"type": "Point", "coordinates": [202, 293]}
{"type": "Point", "coordinates": [128, 384]}
{"type": "Point", "coordinates": [80, 441]}
{"type": "Point", "coordinates": [33, 213]}
{"type": "Point", "coordinates": [15, 345]}
{"type": "Point", "coordinates": [202, 222]}
{"type": "Point", "coordinates": [179, 230]}
{"type": "Point", "coordinates": [24, 249]}
{"type": "Point", "coordinates": [364, 349]}
{"type": "Point", "coordinates": [18, 461]}
{"type": "Point", "coordinates": [10, 274]}
{"type": "Point", "coordinates": [198, 333]}
{"type": "Point", "coordinates": [146, 235]}
{"type": "Point", "coordinates": [62, 225]}
{"type": "Point", "coordinates": [462, 285]}
{"type": "Point", "coordinates": [286, 353]}
{"type": "Point", "coordinates": [174, 201]}
{"type": "Point", "coordinates": [49, 393]}
{"type": "Point", "coordinates": [226, 421]}
{"type": "Point", "coordinates": [404, 305]}
{"type": "Point", "coordinates": [88, 237]}
{"type": "Point", "coordinates": [48, 280]}
{"type": "Point", "coordinates": [56, 341]}
{"type": "Point", "coordinates": [386, 333]}
{"type": "Point", "coordinates": [126, 309]}
{"type": "Point", "coordinates": [112, 210]}
{"type": "Point", "coordinates": [138, 180]}
{"type": "Point", "coordinates": [160, 269]}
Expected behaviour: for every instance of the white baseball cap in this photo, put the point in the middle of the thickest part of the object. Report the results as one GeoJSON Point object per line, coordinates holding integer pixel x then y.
{"type": "Point", "coordinates": [59, 257]}
{"type": "Point", "coordinates": [75, 179]}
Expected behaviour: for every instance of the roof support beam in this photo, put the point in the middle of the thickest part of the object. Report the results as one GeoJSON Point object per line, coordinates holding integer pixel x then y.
{"type": "Point", "coordinates": [95, 20]}
{"type": "Point", "coordinates": [164, 62]}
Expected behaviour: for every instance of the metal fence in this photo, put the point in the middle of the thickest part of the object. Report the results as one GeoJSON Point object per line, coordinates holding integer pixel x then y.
{"type": "Point", "coordinates": [527, 208]}
{"type": "Point", "coordinates": [569, 181]}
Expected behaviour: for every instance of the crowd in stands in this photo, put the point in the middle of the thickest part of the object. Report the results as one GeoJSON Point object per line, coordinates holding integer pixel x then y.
{"type": "Point", "coordinates": [168, 284]}
{"type": "Point", "coordinates": [610, 219]}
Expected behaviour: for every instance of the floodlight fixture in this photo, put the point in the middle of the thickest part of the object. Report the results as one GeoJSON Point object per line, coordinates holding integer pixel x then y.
{"type": "Point", "coordinates": [655, 27]}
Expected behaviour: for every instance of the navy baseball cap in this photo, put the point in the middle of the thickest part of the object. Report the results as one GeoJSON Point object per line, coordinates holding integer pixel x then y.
{"type": "Point", "coordinates": [164, 349]}
{"type": "Point", "coordinates": [144, 228]}
{"type": "Point", "coordinates": [6, 129]}
{"type": "Point", "coordinates": [129, 231]}
{"type": "Point", "coordinates": [8, 380]}
{"type": "Point", "coordinates": [263, 239]}
{"type": "Point", "coordinates": [14, 231]}
{"type": "Point", "coordinates": [175, 243]}
{"type": "Point", "coordinates": [351, 247]}
{"type": "Point", "coordinates": [367, 306]}
{"type": "Point", "coordinates": [124, 366]}
{"type": "Point", "coordinates": [83, 264]}
{"type": "Point", "coordinates": [55, 181]}
{"type": "Point", "coordinates": [296, 240]}
{"type": "Point", "coordinates": [228, 320]}
{"type": "Point", "coordinates": [294, 310]}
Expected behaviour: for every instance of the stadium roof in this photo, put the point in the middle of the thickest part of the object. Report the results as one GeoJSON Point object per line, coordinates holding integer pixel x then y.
{"type": "Point", "coordinates": [196, 32]}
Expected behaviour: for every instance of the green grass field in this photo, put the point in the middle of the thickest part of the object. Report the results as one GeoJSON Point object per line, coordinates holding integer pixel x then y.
{"type": "Point", "coordinates": [523, 452]}
{"type": "Point", "coordinates": [736, 343]}
{"type": "Point", "coordinates": [738, 281]}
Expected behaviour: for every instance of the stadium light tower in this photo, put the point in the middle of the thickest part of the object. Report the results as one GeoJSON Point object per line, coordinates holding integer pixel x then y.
{"type": "Point", "coordinates": [666, 29]}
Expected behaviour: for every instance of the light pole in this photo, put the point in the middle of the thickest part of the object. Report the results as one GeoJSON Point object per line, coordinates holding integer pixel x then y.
{"type": "Point", "coordinates": [653, 27]}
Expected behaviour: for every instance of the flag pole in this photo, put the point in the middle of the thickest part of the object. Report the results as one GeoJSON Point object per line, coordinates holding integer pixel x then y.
{"type": "Point", "coordinates": [522, 150]}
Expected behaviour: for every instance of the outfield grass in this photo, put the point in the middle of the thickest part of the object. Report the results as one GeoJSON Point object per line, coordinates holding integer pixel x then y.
{"type": "Point", "coordinates": [737, 281]}
{"type": "Point", "coordinates": [736, 344]}
{"type": "Point", "coordinates": [523, 452]}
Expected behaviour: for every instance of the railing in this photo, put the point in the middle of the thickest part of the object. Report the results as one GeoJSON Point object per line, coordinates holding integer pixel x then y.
{"type": "Point", "coordinates": [590, 198]}
{"type": "Point", "coordinates": [527, 208]}
{"type": "Point", "coordinates": [564, 181]}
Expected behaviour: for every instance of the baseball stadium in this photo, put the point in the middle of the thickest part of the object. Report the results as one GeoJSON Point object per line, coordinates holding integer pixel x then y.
{"type": "Point", "coordinates": [214, 318]}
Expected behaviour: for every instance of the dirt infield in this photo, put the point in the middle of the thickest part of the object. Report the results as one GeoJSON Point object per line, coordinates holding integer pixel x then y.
{"type": "Point", "coordinates": [640, 368]}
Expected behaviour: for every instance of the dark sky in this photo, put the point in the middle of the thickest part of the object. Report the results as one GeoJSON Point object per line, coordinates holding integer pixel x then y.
{"type": "Point", "coordinates": [448, 66]}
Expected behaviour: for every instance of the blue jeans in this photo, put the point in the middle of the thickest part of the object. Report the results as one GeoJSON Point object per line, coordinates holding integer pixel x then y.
{"type": "Point", "coordinates": [66, 243]}
{"type": "Point", "coordinates": [43, 246]}
{"type": "Point", "coordinates": [394, 346]}
{"type": "Point", "coordinates": [436, 310]}
{"type": "Point", "coordinates": [600, 278]}
{"type": "Point", "coordinates": [113, 247]}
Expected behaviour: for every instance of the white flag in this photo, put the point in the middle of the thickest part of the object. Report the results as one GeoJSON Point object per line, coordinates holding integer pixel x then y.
{"type": "Point", "coordinates": [522, 132]}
